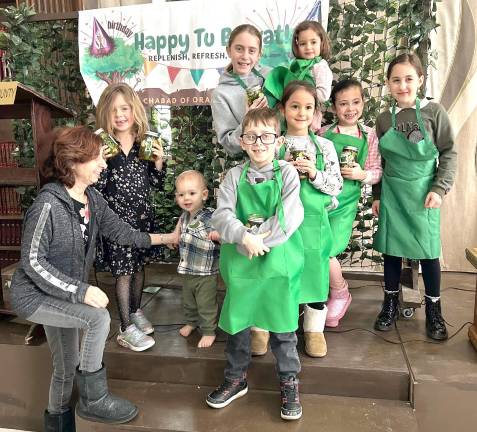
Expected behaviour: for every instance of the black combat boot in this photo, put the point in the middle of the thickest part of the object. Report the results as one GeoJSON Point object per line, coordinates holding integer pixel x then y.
{"type": "Point", "coordinates": [435, 325]}
{"type": "Point", "coordinates": [389, 311]}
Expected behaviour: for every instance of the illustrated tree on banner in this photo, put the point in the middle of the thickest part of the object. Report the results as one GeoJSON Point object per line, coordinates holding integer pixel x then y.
{"type": "Point", "coordinates": [110, 59]}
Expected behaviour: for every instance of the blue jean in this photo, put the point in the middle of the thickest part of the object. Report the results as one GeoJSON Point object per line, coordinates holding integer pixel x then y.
{"type": "Point", "coordinates": [238, 354]}
{"type": "Point", "coordinates": [62, 321]}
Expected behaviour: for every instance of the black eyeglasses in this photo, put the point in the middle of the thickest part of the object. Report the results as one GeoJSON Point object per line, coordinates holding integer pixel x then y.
{"type": "Point", "coordinates": [266, 138]}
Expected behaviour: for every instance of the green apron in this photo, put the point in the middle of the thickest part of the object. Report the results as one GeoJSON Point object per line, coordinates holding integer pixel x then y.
{"type": "Point", "coordinates": [263, 291]}
{"type": "Point", "coordinates": [316, 234]}
{"type": "Point", "coordinates": [279, 77]}
{"type": "Point", "coordinates": [405, 227]}
{"type": "Point", "coordinates": [342, 218]}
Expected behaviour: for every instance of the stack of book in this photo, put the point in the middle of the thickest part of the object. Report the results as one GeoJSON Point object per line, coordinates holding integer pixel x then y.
{"type": "Point", "coordinates": [10, 232]}
{"type": "Point", "coordinates": [7, 149]}
{"type": "Point", "coordinates": [9, 201]}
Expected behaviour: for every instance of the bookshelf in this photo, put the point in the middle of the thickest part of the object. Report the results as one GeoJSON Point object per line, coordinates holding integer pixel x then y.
{"type": "Point", "coordinates": [18, 101]}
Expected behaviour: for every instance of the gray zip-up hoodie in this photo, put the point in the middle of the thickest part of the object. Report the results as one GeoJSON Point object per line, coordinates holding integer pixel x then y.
{"type": "Point", "coordinates": [232, 230]}
{"type": "Point", "coordinates": [228, 103]}
{"type": "Point", "coordinates": [53, 257]}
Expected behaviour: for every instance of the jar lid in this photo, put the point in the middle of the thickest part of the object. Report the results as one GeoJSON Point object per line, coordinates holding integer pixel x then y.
{"type": "Point", "coordinates": [153, 134]}
{"type": "Point", "coordinates": [352, 148]}
{"type": "Point", "coordinates": [98, 131]}
{"type": "Point", "coordinates": [256, 217]}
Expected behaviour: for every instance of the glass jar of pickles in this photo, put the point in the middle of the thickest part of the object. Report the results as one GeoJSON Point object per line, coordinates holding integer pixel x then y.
{"type": "Point", "coordinates": [108, 140]}
{"type": "Point", "coordinates": [147, 146]}
{"type": "Point", "coordinates": [255, 220]}
{"type": "Point", "coordinates": [297, 153]}
{"type": "Point", "coordinates": [348, 157]}
{"type": "Point", "coordinates": [253, 93]}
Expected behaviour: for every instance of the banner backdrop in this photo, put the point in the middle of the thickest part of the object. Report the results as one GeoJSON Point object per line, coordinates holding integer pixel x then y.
{"type": "Point", "coordinates": [173, 53]}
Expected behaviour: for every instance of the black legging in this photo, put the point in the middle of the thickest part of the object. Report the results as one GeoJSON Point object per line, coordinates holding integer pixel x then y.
{"type": "Point", "coordinates": [128, 295]}
{"type": "Point", "coordinates": [431, 273]}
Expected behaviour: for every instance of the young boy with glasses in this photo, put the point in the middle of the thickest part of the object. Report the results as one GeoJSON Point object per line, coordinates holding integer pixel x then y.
{"type": "Point", "coordinates": [258, 215]}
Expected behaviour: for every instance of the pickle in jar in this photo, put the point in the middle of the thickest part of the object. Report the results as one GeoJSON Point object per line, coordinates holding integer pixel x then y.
{"type": "Point", "coordinates": [348, 157]}
{"type": "Point", "coordinates": [253, 93]}
{"type": "Point", "coordinates": [297, 154]}
{"type": "Point", "coordinates": [147, 146]}
{"type": "Point", "coordinates": [109, 141]}
{"type": "Point", "coordinates": [255, 220]}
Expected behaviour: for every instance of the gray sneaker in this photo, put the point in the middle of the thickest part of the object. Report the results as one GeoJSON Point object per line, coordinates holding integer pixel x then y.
{"type": "Point", "coordinates": [134, 339]}
{"type": "Point", "coordinates": [142, 323]}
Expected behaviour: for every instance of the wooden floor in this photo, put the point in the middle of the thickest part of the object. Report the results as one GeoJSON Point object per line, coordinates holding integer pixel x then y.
{"type": "Point", "coordinates": [368, 382]}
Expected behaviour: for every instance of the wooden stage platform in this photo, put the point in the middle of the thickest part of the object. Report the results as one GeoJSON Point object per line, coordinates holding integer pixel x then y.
{"type": "Point", "coordinates": [369, 381]}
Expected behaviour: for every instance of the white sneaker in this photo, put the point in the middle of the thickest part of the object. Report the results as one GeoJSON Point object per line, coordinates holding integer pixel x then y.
{"type": "Point", "coordinates": [134, 339]}
{"type": "Point", "coordinates": [142, 323]}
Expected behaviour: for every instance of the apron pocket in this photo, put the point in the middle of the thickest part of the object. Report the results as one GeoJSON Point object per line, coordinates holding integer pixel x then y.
{"type": "Point", "coordinates": [272, 264]}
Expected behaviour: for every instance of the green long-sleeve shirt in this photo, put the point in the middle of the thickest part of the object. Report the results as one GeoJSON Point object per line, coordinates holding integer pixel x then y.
{"type": "Point", "coordinates": [437, 123]}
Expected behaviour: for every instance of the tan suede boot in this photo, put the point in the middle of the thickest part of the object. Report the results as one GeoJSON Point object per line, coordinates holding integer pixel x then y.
{"type": "Point", "coordinates": [313, 326]}
{"type": "Point", "coordinates": [259, 342]}
{"type": "Point", "coordinates": [315, 344]}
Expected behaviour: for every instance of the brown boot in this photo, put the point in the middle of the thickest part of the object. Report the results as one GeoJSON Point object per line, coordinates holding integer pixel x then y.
{"type": "Point", "coordinates": [313, 326]}
{"type": "Point", "coordinates": [315, 344]}
{"type": "Point", "coordinates": [259, 342]}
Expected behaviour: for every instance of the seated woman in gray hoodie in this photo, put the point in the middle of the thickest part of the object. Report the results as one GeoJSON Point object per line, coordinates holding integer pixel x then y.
{"type": "Point", "coordinates": [51, 287]}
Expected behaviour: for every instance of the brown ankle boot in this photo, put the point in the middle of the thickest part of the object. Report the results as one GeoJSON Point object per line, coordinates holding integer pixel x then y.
{"type": "Point", "coordinates": [259, 342]}
{"type": "Point", "coordinates": [313, 326]}
{"type": "Point", "coordinates": [315, 344]}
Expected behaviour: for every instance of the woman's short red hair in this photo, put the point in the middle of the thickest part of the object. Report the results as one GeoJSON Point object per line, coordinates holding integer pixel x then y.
{"type": "Point", "coordinates": [71, 145]}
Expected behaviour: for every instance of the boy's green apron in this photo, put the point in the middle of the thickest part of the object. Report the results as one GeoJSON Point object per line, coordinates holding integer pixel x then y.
{"type": "Point", "coordinates": [342, 218]}
{"type": "Point", "coordinates": [405, 227]}
{"type": "Point", "coordinates": [316, 234]}
{"type": "Point", "coordinates": [279, 77]}
{"type": "Point", "coordinates": [263, 291]}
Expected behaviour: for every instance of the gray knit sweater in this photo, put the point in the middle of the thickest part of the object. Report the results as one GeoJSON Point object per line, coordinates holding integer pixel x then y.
{"type": "Point", "coordinates": [53, 257]}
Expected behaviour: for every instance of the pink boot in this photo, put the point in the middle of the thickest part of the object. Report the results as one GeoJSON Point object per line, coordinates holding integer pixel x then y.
{"type": "Point", "coordinates": [338, 304]}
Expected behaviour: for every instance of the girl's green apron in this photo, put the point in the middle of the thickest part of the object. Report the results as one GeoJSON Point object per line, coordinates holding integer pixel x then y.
{"type": "Point", "coordinates": [316, 234]}
{"type": "Point", "coordinates": [342, 218]}
{"type": "Point", "coordinates": [263, 291]}
{"type": "Point", "coordinates": [279, 77]}
{"type": "Point", "coordinates": [405, 227]}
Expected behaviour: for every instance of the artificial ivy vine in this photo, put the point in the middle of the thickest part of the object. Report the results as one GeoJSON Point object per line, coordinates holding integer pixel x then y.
{"type": "Point", "coordinates": [365, 36]}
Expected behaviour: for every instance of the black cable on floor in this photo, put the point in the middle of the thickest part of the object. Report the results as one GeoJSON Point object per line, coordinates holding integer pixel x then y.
{"type": "Point", "coordinates": [398, 342]}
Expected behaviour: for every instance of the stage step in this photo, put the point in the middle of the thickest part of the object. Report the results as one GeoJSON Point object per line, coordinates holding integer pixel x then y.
{"type": "Point", "coordinates": [358, 364]}
{"type": "Point", "coordinates": [178, 407]}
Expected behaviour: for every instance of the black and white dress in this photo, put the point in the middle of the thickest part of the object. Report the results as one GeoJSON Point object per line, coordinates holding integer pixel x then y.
{"type": "Point", "coordinates": [126, 185]}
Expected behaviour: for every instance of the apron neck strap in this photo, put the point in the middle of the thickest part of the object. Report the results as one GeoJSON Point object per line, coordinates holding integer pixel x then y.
{"type": "Point", "coordinates": [243, 176]}
{"type": "Point", "coordinates": [314, 140]}
{"type": "Point", "coordinates": [418, 116]}
{"type": "Point", "coordinates": [241, 81]}
{"type": "Point", "coordinates": [278, 178]}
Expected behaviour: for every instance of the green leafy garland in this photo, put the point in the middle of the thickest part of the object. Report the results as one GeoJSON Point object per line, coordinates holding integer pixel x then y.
{"type": "Point", "coordinates": [365, 35]}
